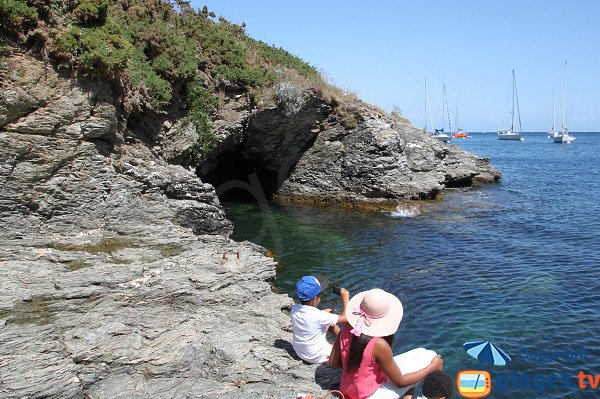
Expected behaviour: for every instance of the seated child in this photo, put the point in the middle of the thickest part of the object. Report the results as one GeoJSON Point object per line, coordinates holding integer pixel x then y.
{"type": "Point", "coordinates": [437, 385]}
{"type": "Point", "coordinates": [310, 325]}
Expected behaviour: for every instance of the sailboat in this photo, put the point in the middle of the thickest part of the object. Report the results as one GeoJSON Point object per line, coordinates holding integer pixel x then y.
{"type": "Point", "coordinates": [563, 136]}
{"type": "Point", "coordinates": [509, 133]}
{"type": "Point", "coordinates": [438, 133]}
{"type": "Point", "coordinates": [460, 133]}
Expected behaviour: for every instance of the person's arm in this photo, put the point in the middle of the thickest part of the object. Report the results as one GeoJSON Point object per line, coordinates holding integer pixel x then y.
{"type": "Point", "coordinates": [384, 357]}
{"type": "Point", "coordinates": [335, 358]}
{"type": "Point", "coordinates": [345, 295]}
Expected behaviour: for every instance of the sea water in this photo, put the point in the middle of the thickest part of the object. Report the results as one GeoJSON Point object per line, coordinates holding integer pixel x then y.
{"type": "Point", "coordinates": [516, 263]}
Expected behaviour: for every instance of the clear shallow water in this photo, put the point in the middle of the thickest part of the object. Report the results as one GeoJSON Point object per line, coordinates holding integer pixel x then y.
{"type": "Point", "coordinates": [517, 262]}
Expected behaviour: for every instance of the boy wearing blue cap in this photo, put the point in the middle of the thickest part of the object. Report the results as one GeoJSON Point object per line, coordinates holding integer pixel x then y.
{"type": "Point", "coordinates": [310, 325]}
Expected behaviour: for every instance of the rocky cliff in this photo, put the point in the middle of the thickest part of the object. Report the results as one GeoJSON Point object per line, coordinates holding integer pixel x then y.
{"type": "Point", "coordinates": [308, 154]}
{"type": "Point", "coordinates": [117, 276]}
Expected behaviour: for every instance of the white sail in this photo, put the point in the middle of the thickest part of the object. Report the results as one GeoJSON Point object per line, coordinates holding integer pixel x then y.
{"type": "Point", "coordinates": [563, 136]}
{"type": "Point", "coordinates": [437, 133]}
{"type": "Point", "coordinates": [510, 133]}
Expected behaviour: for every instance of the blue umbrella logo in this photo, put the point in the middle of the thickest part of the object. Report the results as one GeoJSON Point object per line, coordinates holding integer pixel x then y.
{"type": "Point", "coordinates": [487, 352]}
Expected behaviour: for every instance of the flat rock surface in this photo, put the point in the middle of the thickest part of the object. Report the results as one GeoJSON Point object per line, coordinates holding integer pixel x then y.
{"type": "Point", "coordinates": [168, 314]}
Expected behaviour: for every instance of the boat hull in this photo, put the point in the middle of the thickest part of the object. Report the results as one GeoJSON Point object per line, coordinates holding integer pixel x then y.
{"type": "Point", "coordinates": [444, 138]}
{"type": "Point", "coordinates": [566, 139]}
{"type": "Point", "coordinates": [513, 136]}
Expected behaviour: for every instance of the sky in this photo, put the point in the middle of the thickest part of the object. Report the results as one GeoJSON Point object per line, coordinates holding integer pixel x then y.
{"type": "Point", "coordinates": [384, 50]}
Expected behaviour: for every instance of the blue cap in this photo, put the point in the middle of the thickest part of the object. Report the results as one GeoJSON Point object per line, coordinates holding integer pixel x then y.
{"type": "Point", "coordinates": [309, 287]}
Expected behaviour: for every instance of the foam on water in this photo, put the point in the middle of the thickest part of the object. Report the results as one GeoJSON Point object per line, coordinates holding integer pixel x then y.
{"type": "Point", "coordinates": [403, 213]}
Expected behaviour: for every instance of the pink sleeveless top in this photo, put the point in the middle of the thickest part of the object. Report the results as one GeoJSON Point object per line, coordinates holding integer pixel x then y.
{"type": "Point", "coordinates": [364, 381]}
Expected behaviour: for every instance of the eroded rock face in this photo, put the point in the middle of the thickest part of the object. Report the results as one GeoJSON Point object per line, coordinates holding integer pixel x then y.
{"type": "Point", "coordinates": [377, 164]}
{"type": "Point", "coordinates": [64, 165]}
{"type": "Point", "coordinates": [310, 156]}
{"type": "Point", "coordinates": [275, 137]}
{"type": "Point", "coordinates": [38, 101]}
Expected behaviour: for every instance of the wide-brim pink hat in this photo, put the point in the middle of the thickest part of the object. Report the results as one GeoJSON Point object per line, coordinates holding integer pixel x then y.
{"type": "Point", "coordinates": [375, 312]}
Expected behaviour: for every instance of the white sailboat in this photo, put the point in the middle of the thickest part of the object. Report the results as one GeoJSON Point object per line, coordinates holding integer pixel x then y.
{"type": "Point", "coordinates": [510, 133]}
{"type": "Point", "coordinates": [563, 136]}
{"type": "Point", "coordinates": [437, 133]}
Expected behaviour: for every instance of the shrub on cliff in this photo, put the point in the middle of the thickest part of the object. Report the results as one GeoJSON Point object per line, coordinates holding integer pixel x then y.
{"type": "Point", "coordinates": [201, 103]}
{"type": "Point", "coordinates": [146, 45]}
{"type": "Point", "coordinates": [91, 11]}
{"type": "Point", "coordinates": [16, 17]}
{"type": "Point", "coordinates": [149, 48]}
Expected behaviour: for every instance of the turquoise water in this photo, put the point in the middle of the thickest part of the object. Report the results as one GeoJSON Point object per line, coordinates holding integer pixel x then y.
{"type": "Point", "coordinates": [517, 263]}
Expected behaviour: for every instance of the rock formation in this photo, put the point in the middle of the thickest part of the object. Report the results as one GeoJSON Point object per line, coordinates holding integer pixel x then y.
{"type": "Point", "coordinates": [117, 276]}
{"type": "Point", "coordinates": [308, 155]}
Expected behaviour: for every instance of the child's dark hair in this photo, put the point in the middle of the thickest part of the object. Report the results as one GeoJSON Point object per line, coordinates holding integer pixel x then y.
{"type": "Point", "coordinates": [357, 347]}
{"type": "Point", "coordinates": [438, 385]}
{"type": "Point", "coordinates": [306, 302]}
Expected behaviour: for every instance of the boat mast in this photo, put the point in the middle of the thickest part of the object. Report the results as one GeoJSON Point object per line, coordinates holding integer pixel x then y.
{"type": "Point", "coordinates": [428, 117]}
{"type": "Point", "coordinates": [445, 101]}
{"type": "Point", "coordinates": [516, 95]}
{"type": "Point", "coordinates": [553, 111]}
{"type": "Point", "coordinates": [512, 112]}
{"type": "Point", "coordinates": [564, 127]}
{"type": "Point", "coordinates": [457, 124]}
{"type": "Point", "coordinates": [425, 105]}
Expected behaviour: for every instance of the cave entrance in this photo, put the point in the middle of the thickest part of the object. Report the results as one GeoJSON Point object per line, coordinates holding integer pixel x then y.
{"type": "Point", "coordinates": [236, 179]}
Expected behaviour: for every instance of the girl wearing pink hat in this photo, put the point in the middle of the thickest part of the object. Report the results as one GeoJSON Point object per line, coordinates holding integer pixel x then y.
{"type": "Point", "coordinates": [364, 351]}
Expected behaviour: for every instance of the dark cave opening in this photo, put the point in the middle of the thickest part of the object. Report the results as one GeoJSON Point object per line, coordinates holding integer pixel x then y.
{"type": "Point", "coordinates": [238, 180]}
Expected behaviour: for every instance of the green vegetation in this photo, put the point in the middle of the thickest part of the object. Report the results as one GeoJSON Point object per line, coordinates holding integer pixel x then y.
{"type": "Point", "coordinates": [157, 52]}
{"type": "Point", "coordinates": [201, 103]}
{"type": "Point", "coordinates": [16, 16]}
{"type": "Point", "coordinates": [145, 78]}
{"type": "Point", "coordinates": [147, 44]}
{"type": "Point", "coordinates": [91, 11]}
{"type": "Point", "coordinates": [278, 56]}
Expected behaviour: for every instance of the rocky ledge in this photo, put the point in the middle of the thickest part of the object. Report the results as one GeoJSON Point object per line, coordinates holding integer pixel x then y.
{"type": "Point", "coordinates": [117, 276]}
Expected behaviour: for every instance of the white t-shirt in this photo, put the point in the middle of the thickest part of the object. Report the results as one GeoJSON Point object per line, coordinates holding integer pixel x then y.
{"type": "Point", "coordinates": [310, 332]}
